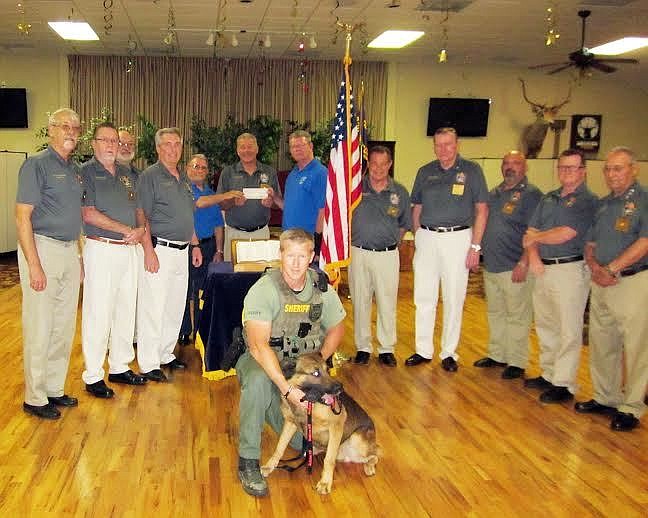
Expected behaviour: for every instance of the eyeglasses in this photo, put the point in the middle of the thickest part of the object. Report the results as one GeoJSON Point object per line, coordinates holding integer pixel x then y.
{"type": "Point", "coordinates": [569, 168]}
{"type": "Point", "coordinates": [198, 166]}
{"type": "Point", "coordinates": [126, 144]}
{"type": "Point", "coordinates": [613, 168]}
{"type": "Point", "coordinates": [67, 128]}
{"type": "Point", "coordinates": [110, 141]}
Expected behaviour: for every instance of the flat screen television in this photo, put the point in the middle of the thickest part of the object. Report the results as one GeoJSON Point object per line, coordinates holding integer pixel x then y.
{"type": "Point", "coordinates": [468, 116]}
{"type": "Point", "coordinates": [13, 108]}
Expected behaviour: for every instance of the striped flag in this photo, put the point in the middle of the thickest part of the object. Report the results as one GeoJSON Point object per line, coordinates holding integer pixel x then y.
{"type": "Point", "coordinates": [344, 184]}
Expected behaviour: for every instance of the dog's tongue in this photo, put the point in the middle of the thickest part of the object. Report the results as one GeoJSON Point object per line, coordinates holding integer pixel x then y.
{"type": "Point", "coordinates": [328, 399]}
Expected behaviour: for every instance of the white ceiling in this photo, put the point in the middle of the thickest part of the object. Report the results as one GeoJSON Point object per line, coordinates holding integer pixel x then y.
{"type": "Point", "coordinates": [485, 32]}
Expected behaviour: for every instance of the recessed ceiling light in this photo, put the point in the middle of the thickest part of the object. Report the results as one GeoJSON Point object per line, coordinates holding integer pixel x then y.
{"type": "Point", "coordinates": [395, 39]}
{"type": "Point", "coordinates": [614, 48]}
{"type": "Point", "coordinates": [74, 30]}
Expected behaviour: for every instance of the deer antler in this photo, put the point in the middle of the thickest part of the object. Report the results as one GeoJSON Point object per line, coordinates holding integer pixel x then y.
{"type": "Point", "coordinates": [524, 94]}
{"type": "Point", "coordinates": [567, 99]}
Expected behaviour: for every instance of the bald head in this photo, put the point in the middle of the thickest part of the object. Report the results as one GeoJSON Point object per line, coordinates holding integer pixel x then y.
{"type": "Point", "coordinates": [514, 168]}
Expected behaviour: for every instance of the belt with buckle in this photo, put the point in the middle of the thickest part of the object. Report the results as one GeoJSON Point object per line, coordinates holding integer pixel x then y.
{"type": "Point", "coordinates": [385, 249]}
{"type": "Point", "coordinates": [166, 242]}
{"type": "Point", "coordinates": [446, 229]}
{"type": "Point", "coordinates": [562, 260]}
{"type": "Point", "coordinates": [206, 240]}
{"type": "Point", "coordinates": [251, 229]}
{"type": "Point", "coordinates": [632, 271]}
{"type": "Point", "coordinates": [107, 240]}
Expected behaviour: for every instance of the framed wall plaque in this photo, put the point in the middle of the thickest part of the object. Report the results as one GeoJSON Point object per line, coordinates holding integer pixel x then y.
{"type": "Point", "coordinates": [586, 133]}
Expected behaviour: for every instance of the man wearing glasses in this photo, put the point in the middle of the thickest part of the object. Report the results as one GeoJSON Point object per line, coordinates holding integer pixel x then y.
{"type": "Point", "coordinates": [554, 241]}
{"type": "Point", "coordinates": [48, 223]}
{"type": "Point", "coordinates": [126, 151]}
{"type": "Point", "coordinates": [110, 261]}
{"type": "Point", "coordinates": [208, 224]}
{"type": "Point", "coordinates": [165, 208]}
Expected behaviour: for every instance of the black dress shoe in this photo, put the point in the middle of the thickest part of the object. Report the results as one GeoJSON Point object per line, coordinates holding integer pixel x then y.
{"type": "Point", "coordinates": [128, 378]}
{"type": "Point", "coordinates": [155, 375]}
{"type": "Point", "coordinates": [175, 364]}
{"type": "Point", "coordinates": [449, 364]}
{"type": "Point", "coordinates": [361, 358]}
{"type": "Point", "coordinates": [593, 407]}
{"type": "Point", "coordinates": [623, 422]}
{"type": "Point", "coordinates": [184, 339]}
{"type": "Point", "coordinates": [488, 362]}
{"type": "Point", "coordinates": [387, 359]}
{"type": "Point", "coordinates": [48, 411]}
{"type": "Point", "coordinates": [416, 359]}
{"type": "Point", "coordinates": [100, 390]}
{"type": "Point", "coordinates": [556, 395]}
{"type": "Point", "coordinates": [512, 372]}
{"type": "Point", "coordinates": [538, 383]}
{"type": "Point", "coordinates": [63, 400]}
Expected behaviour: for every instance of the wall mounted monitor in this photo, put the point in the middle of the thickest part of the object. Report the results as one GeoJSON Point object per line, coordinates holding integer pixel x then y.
{"type": "Point", "coordinates": [468, 116]}
{"type": "Point", "coordinates": [13, 108]}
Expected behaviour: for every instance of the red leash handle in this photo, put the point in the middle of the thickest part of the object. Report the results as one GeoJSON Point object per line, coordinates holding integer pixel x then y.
{"type": "Point", "coordinates": [309, 436]}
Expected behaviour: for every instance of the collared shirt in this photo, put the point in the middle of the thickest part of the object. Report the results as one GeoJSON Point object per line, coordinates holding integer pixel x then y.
{"type": "Point", "coordinates": [305, 196]}
{"type": "Point", "coordinates": [509, 212]}
{"type": "Point", "coordinates": [208, 218]}
{"type": "Point", "coordinates": [380, 216]}
{"type": "Point", "coordinates": [234, 178]}
{"type": "Point", "coordinates": [52, 186]}
{"type": "Point", "coordinates": [111, 195]}
{"type": "Point", "coordinates": [575, 210]}
{"type": "Point", "coordinates": [448, 196]}
{"type": "Point", "coordinates": [619, 221]}
{"type": "Point", "coordinates": [167, 202]}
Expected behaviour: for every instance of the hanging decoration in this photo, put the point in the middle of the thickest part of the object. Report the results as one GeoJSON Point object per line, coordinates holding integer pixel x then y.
{"type": "Point", "coordinates": [443, 53]}
{"type": "Point", "coordinates": [301, 75]}
{"type": "Point", "coordinates": [131, 47]}
{"type": "Point", "coordinates": [22, 26]}
{"type": "Point", "coordinates": [108, 16]}
{"type": "Point", "coordinates": [552, 33]}
{"type": "Point", "coordinates": [171, 37]}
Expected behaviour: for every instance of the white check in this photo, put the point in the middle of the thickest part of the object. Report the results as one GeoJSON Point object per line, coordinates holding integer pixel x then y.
{"type": "Point", "coordinates": [255, 193]}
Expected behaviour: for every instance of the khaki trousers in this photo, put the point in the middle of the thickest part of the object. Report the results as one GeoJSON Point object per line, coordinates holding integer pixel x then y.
{"type": "Point", "coordinates": [235, 233]}
{"type": "Point", "coordinates": [49, 318]}
{"type": "Point", "coordinates": [559, 299]}
{"type": "Point", "coordinates": [619, 332]}
{"type": "Point", "coordinates": [374, 273]}
{"type": "Point", "coordinates": [509, 318]}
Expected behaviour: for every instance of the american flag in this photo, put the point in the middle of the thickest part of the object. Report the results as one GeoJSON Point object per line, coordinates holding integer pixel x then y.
{"type": "Point", "coordinates": [344, 184]}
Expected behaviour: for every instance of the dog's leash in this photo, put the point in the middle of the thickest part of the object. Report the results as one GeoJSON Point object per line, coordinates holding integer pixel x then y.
{"type": "Point", "coordinates": [307, 454]}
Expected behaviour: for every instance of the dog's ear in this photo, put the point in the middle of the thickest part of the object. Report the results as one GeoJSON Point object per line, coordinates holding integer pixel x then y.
{"type": "Point", "coordinates": [288, 366]}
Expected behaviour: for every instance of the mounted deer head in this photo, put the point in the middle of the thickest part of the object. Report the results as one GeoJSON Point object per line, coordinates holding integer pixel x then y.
{"type": "Point", "coordinates": [534, 134]}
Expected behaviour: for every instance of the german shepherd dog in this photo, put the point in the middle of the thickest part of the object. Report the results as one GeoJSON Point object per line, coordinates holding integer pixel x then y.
{"type": "Point", "coordinates": [340, 426]}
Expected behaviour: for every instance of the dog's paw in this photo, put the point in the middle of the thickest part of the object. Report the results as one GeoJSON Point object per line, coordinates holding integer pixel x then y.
{"type": "Point", "coordinates": [267, 469]}
{"type": "Point", "coordinates": [369, 469]}
{"type": "Point", "coordinates": [324, 486]}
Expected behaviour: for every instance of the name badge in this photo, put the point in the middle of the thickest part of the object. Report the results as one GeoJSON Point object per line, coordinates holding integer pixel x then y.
{"type": "Point", "coordinates": [508, 208]}
{"type": "Point", "coordinates": [458, 189]}
{"type": "Point", "coordinates": [622, 224]}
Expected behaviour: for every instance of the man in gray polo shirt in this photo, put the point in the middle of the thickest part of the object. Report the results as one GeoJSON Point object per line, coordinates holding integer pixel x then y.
{"type": "Point", "coordinates": [165, 208]}
{"type": "Point", "coordinates": [126, 151]}
{"type": "Point", "coordinates": [48, 223]}
{"type": "Point", "coordinates": [110, 259]}
{"type": "Point", "coordinates": [246, 219]}
{"type": "Point", "coordinates": [616, 251]}
{"type": "Point", "coordinates": [378, 225]}
{"type": "Point", "coordinates": [508, 288]}
{"type": "Point", "coordinates": [554, 241]}
{"type": "Point", "coordinates": [449, 215]}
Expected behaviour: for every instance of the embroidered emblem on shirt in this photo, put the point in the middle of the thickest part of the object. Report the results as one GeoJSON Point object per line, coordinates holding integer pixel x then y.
{"type": "Point", "coordinates": [570, 202]}
{"type": "Point", "coordinates": [263, 178]}
{"type": "Point", "coordinates": [460, 178]}
{"type": "Point", "coordinates": [515, 196]}
{"type": "Point", "coordinates": [126, 181]}
{"type": "Point", "coordinates": [394, 199]}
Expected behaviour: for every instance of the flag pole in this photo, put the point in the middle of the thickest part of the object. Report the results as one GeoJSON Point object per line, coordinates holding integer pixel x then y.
{"type": "Point", "coordinates": [349, 121]}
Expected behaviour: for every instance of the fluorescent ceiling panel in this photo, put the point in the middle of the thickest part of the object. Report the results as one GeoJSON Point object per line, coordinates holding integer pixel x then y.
{"type": "Point", "coordinates": [614, 48]}
{"type": "Point", "coordinates": [79, 31]}
{"type": "Point", "coordinates": [395, 39]}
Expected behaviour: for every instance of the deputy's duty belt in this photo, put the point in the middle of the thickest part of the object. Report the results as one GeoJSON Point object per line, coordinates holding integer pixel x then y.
{"type": "Point", "coordinates": [562, 260]}
{"type": "Point", "coordinates": [632, 271]}
{"type": "Point", "coordinates": [107, 240]}
{"type": "Point", "coordinates": [385, 249]}
{"type": "Point", "coordinates": [165, 242]}
{"type": "Point", "coordinates": [251, 229]}
{"type": "Point", "coordinates": [446, 229]}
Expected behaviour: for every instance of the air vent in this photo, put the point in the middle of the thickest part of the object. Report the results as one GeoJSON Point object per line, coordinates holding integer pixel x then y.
{"type": "Point", "coordinates": [454, 6]}
{"type": "Point", "coordinates": [607, 3]}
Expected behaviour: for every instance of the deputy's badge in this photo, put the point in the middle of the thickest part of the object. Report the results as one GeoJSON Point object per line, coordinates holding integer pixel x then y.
{"type": "Point", "coordinates": [126, 181]}
{"type": "Point", "coordinates": [508, 208]}
{"type": "Point", "coordinates": [392, 211]}
{"type": "Point", "coordinates": [460, 178]}
{"type": "Point", "coordinates": [629, 208]}
{"type": "Point", "coordinates": [394, 199]}
{"type": "Point", "coordinates": [622, 225]}
{"type": "Point", "coordinates": [570, 202]}
{"type": "Point", "coordinates": [315, 312]}
{"type": "Point", "coordinates": [515, 196]}
{"type": "Point", "coordinates": [458, 189]}
{"type": "Point", "coordinates": [263, 178]}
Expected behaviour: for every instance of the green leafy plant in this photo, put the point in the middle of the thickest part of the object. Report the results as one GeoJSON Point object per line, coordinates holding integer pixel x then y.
{"type": "Point", "coordinates": [146, 140]}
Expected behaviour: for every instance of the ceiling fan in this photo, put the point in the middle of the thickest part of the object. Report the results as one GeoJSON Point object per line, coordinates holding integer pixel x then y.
{"type": "Point", "coordinates": [583, 59]}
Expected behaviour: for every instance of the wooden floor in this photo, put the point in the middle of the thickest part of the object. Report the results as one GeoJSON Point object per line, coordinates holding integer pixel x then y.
{"type": "Point", "coordinates": [463, 444]}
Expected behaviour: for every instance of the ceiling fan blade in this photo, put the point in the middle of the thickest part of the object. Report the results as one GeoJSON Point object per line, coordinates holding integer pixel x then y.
{"type": "Point", "coordinates": [617, 60]}
{"type": "Point", "coordinates": [602, 67]}
{"type": "Point", "coordinates": [560, 69]}
{"type": "Point", "coordinates": [544, 65]}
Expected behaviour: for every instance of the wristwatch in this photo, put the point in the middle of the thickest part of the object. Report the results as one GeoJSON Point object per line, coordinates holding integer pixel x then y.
{"type": "Point", "coordinates": [475, 247]}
